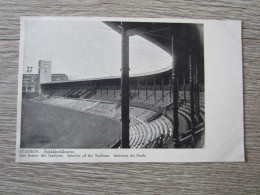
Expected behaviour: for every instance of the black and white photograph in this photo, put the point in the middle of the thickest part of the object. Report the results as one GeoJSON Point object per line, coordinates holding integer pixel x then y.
{"type": "Point", "coordinates": [112, 84]}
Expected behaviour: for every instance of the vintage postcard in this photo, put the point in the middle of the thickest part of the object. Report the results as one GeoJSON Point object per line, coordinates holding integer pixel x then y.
{"type": "Point", "coordinates": [129, 90]}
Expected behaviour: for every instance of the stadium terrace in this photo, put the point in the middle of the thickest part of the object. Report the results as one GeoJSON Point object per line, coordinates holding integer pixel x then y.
{"type": "Point", "coordinates": [162, 109]}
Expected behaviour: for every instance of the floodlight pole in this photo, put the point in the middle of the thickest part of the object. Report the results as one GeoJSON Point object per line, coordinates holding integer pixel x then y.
{"type": "Point", "coordinates": [125, 89]}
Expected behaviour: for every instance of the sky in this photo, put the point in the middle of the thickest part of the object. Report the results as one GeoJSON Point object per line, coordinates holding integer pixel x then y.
{"type": "Point", "coordinates": [85, 49]}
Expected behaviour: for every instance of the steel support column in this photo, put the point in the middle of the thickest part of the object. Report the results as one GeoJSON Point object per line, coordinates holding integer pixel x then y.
{"type": "Point", "coordinates": [125, 88]}
{"type": "Point", "coordinates": [191, 98]}
{"type": "Point", "coordinates": [175, 101]}
{"type": "Point", "coordinates": [184, 90]}
{"type": "Point", "coordinates": [197, 94]}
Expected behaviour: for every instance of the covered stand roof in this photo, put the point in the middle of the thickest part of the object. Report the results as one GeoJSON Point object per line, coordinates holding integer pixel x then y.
{"type": "Point", "coordinates": [180, 40]}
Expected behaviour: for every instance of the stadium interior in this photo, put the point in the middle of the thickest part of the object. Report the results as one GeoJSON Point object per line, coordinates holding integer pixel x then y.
{"type": "Point", "coordinates": [163, 109]}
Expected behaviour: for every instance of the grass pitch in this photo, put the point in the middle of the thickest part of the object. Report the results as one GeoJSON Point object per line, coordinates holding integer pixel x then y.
{"type": "Point", "coordinates": [47, 126]}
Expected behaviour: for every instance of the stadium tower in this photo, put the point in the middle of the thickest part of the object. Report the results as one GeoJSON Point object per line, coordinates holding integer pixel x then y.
{"type": "Point", "coordinates": [44, 72]}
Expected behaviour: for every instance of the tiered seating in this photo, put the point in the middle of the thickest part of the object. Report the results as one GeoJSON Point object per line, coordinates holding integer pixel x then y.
{"type": "Point", "coordinates": [151, 102]}
{"type": "Point", "coordinates": [112, 95]}
{"type": "Point", "coordinates": [83, 105]}
{"type": "Point", "coordinates": [84, 93]}
{"type": "Point", "coordinates": [78, 93]}
{"type": "Point", "coordinates": [141, 132]}
{"type": "Point", "coordinates": [68, 93]}
{"type": "Point", "coordinates": [144, 133]}
{"type": "Point", "coordinates": [102, 108]}
{"type": "Point", "coordinates": [141, 114]}
{"type": "Point", "coordinates": [96, 95]}
{"type": "Point", "coordinates": [141, 96]}
{"type": "Point", "coordinates": [74, 104]}
{"type": "Point", "coordinates": [187, 110]}
{"type": "Point", "coordinates": [165, 101]}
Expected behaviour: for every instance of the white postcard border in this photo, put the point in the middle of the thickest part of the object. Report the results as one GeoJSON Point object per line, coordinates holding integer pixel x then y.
{"type": "Point", "coordinates": [224, 127]}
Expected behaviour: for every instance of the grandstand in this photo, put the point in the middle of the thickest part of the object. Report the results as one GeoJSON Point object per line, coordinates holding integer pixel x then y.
{"type": "Point", "coordinates": [150, 110]}
{"type": "Point", "coordinates": [165, 108]}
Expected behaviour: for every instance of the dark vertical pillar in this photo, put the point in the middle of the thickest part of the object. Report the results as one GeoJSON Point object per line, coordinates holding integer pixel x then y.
{"type": "Point", "coordinates": [146, 89]}
{"type": "Point", "coordinates": [130, 87]}
{"type": "Point", "coordinates": [162, 90]}
{"type": "Point", "coordinates": [184, 90]}
{"type": "Point", "coordinates": [175, 100]}
{"type": "Point", "coordinates": [194, 88]}
{"type": "Point", "coordinates": [154, 88]}
{"type": "Point", "coordinates": [197, 94]}
{"type": "Point", "coordinates": [178, 88]}
{"type": "Point", "coordinates": [125, 88]}
{"type": "Point", "coordinates": [191, 97]}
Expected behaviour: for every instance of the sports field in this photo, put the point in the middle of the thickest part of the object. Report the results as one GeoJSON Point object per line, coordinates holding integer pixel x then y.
{"type": "Point", "coordinates": [46, 126]}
